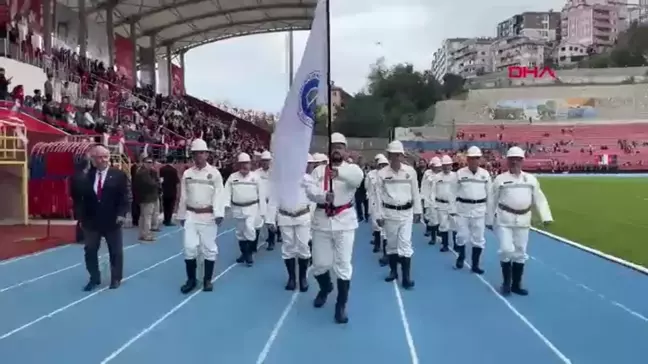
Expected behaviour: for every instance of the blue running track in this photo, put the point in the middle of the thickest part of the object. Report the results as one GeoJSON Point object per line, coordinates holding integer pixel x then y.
{"type": "Point", "coordinates": [582, 309]}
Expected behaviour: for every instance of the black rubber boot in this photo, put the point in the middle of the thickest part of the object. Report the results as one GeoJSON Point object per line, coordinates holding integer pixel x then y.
{"type": "Point", "coordinates": [506, 278]}
{"type": "Point", "coordinates": [302, 265]}
{"type": "Point", "coordinates": [433, 234]}
{"type": "Point", "coordinates": [190, 285]}
{"type": "Point", "coordinates": [292, 275]}
{"type": "Point", "coordinates": [376, 241]}
{"type": "Point", "coordinates": [255, 246]}
{"type": "Point", "coordinates": [208, 275]}
{"type": "Point", "coordinates": [342, 299]}
{"type": "Point", "coordinates": [428, 230]}
{"type": "Point", "coordinates": [384, 260]}
{"type": "Point", "coordinates": [279, 238]}
{"type": "Point", "coordinates": [516, 283]}
{"type": "Point", "coordinates": [325, 287]}
{"type": "Point", "coordinates": [271, 240]}
{"type": "Point", "coordinates": [461, 256]}
{"type": "Point", "coordinates": [249, 252]}
{"type": "Point", "coordinates": [393, 268]}
{"type": "Point", "coordinates": [454, 241]}
{"type": "Point", "coordinates": [406, 266]}
{"type": "Point", "coordinates": [310, 246]}
{"type": "Point", "coordinates": [243, 248]}
{"type": "Point", "coordinates": [445, 240]}
{"type": "Point", "coordinates": [476, 257]}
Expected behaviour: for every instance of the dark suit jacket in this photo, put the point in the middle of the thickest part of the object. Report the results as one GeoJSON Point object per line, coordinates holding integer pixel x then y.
{"type": "Point", "coordinates": [171, 180]}
{"type": "Point", "coordinates": [102, 215]}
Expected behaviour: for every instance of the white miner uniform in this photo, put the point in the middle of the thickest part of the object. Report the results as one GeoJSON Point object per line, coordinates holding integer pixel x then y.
{"type": "Point", "coordinates": [370, 185]}
{"type": "Point", "coordinates": [428, 188]}
{"type": "Point", "coordinates": [296, 226]}
{"type": "Point", "coordinates": [265, 183]}
{"type": "Point", "coordinates": [444, 199]}
{"type": "Point", "coordinates": [246, 198]}
{"type": "Point", "coordinates": [201, 193]}
{"type": "Point", "coordinates": [514, 196]}
{"type": "Point", "coordinates": [399, 199]}
{"type": "Point", "coordinates": [473, 194]}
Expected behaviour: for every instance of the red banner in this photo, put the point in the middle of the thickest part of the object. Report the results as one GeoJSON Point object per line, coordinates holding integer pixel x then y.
{"type": "Point", "coordinates": [177, 81]}
{"type": "Point", "coordinates": [124, 54]}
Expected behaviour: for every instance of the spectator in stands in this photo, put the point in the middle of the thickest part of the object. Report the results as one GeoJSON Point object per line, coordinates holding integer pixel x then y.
{"type": "Point", "coordinates": [49, 88]}
{"type": "Point", "coordinates": [146, 182]}
{"type": "Point", "coordinates": [4, 85]}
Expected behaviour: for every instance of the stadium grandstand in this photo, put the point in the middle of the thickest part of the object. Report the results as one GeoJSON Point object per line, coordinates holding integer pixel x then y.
{"type": "Point", "coordinates": [66, 91]}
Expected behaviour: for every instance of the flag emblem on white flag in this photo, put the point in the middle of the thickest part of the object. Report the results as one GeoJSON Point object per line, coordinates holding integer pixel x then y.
{"type": "Point", "coordinates": [305, 103]}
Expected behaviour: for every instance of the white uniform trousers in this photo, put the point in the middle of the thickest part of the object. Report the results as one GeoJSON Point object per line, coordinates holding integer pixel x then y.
{"type": "Point", "coordinates": [333, 250]}
{"type": "Point", "coordinates": [513, 243]}
{"type": "Point", "coordinates": [470, 230]}
{"type": "Point", "coordinates": [399, 237]}
{"type": "Point", "coordinates": [246, 228]}
{"type": "Point", "coordinates": [446, 222]}
{"type": "Point", "coordinates": [200, 236]}
{"type": "Point", "coordinates": [432, 216]}
{"type": "Point", "coordinates": [295, 241]}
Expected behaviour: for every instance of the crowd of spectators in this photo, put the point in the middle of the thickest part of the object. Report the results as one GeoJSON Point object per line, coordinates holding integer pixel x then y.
{"type": "Point", "coordinates": [85, 96]}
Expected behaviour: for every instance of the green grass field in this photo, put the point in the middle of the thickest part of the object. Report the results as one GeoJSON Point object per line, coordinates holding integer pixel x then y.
{"type": "Point", "coordinates": [609, 214]}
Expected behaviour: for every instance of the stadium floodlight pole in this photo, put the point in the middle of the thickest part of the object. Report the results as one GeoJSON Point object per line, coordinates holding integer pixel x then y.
{"type": "Point", "coordinates": [291, 58]}
{"type": "Point", "coordinates": [328, 83]}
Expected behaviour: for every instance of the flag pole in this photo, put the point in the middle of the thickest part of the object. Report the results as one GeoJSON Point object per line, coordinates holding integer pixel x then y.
{"type": "Point", "coordinates": [328, 88]}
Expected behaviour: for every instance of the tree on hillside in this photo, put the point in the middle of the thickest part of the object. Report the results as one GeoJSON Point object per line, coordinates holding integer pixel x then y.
{"type": "Point", "coordinates": [395, 96]}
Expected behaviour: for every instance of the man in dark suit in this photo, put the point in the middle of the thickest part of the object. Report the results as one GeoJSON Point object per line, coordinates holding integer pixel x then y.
{"type": "Point", "coordinates": [103, 211]}
{"type": "Point", "coordinates": [170, 181]}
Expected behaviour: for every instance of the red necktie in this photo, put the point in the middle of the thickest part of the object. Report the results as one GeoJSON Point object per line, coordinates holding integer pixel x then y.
{"type": "Point", "coordinates": [99, 185]}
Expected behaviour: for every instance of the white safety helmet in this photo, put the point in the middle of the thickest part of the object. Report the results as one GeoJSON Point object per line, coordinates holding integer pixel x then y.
{"type": "Point", "coordinates": [337, 138]}
{"type": "Point", "coordinates": [266, 156]}
{"type": "Point", "coordinates": [435, 162]}
{"type": "Point", "coordinates": [320, 157]}
{"type": "Point", "coordinates": [395, 147]}
{"type": "Point", "coordinates": [311, 159]}
{"type": "Point", "coordinates": [257, 154]}
{"type": "Point", "coordinates": [515, 152]}
{"type": "Point", "coordinates": [243, 158]}
{"type": "Point", "coordinates": [473, 152]}
{"type": "Point", "coordinates": [199, 145]}
{"type": "Point", "coordinates": [381, 159]}
{"type": "Point", "coordinates": [445, 160]}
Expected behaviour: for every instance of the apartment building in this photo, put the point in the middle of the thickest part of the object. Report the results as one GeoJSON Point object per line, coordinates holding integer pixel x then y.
{"type": "Point", "coordinates": [518, 51]}
{"type": "Point", "coordinates": [442, 61]}
{"type": "Point", "coordinates": [471, 58]}
{"type": "Point", "coordinates": [534, 25]}
{"type": "Point", "coordinates": [594, 23]}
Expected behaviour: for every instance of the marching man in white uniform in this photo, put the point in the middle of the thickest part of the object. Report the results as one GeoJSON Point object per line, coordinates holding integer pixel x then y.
{"type": "Point", "coordinates": [200, 211]}
{"type": "Point", "coordinates": [370, 185]}
{"type": "Point", "coordinates": [274, 235]}
{"type": "Point", "coordinates": [334, 224]}
{"type": "Point", "coordinates": [515, 193]}
{"type": "Point", "coordinates": [245, 196]}
{"type": "Point", "coordinates": [296, 226]}
{"type": "Point", "coordinates": [428, 186]}
{"type": "Point", "coordinates": [399, 206]}
{"type": "Point", "coordinates": [473, 195]}
{"type": "Point", "coordinates": [444, 200]}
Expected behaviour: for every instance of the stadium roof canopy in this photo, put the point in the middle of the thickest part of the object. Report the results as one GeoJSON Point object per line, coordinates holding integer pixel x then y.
{"type": "Point", "coordinates": [186, 24]}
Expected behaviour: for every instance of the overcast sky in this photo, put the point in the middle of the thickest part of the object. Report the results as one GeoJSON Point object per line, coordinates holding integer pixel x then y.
{"type": "Point", "coordinates": [251, 72]}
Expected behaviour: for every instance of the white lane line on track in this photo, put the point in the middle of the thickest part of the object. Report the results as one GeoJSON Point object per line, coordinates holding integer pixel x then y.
{"type": "Point", "coordinates": [162, 318]}
{"type": "Point", "coordinates": [593, 291]}
{"type": "Point", "coordinates": [522, 318]}
{"type": "Point", "coordinates": [403, 316]}
{"type": "Point", "coordinates": [279, 324]}
{"type": "Point", "coordinates": [36, 279]}
{"type": "Point", "coordinates": [84, 298]}
{"type": "Point", "coordinates": [23, 257]}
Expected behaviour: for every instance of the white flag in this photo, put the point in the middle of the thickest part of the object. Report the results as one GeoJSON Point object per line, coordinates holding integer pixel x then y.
{"type": "Point", "coordinates": [294, 130]}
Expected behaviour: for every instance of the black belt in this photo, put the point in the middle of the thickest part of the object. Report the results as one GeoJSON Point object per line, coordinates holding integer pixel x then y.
{"type": "Point", "coordinates": [333, 210]}
{"type": "Point", "coordinates": [245, 204]}
{"type": "Point", "coordinates": [407, 206]}
{"type": "Point", "coordinates": [441, 200]}
{"type": "Point", "coordinates": [469, 201]}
